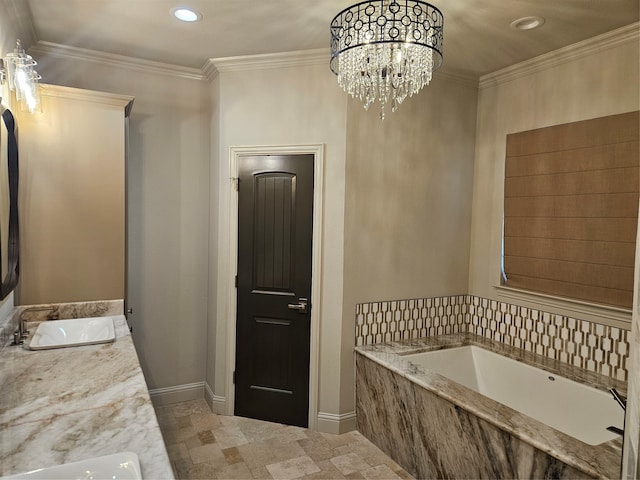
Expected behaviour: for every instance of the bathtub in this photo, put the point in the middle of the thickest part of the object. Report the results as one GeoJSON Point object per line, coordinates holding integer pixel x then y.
{"type": "Point", "coordinates": [460, 406]}
{"type": "Point", "coordinates": [573, 408]}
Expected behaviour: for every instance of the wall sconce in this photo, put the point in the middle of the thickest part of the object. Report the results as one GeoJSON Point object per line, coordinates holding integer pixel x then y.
{"type": "Point", "coordinates": [17, 70]}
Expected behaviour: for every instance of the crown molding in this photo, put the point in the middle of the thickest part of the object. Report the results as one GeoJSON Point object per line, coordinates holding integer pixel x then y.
{"type": "Point", "coordinates": [113, 60]}
{"type": "Point", "coordinates": [270, 60]}
{"type": "Point", "coordinates": [320, 56]}
{"type": "Point", "coordinates": [563, 55]}
{"type": "Point", "coordinates": [93, 96]}
{"type": "Point", "coordinates": [209, 70]}
{"type": "Point", "coordinates": [457, 76]}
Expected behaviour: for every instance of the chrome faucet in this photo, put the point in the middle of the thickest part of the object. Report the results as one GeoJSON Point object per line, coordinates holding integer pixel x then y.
{"type": "Point", "coordinates": [21, 332]}
{"type": "Point", "coordinates": [622, 400]}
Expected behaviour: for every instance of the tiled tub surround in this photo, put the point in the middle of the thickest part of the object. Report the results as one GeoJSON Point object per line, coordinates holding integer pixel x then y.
{"type": "Point", "coordinates": [436, 428]}
{"type": "Point", "coordinates": [64, 405]}
{"type": "Point", "coordinates": [598, 348]}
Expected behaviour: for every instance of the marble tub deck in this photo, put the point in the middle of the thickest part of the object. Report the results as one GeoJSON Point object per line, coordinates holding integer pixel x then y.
{"type": "Point", "coordinates": [65, 405]}
{"type": "Point", "coordinates": [599, 461]}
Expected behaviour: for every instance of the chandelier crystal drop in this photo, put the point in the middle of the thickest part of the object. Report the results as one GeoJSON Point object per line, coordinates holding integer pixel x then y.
{"type": "Point", "coordinates": [386, 50]}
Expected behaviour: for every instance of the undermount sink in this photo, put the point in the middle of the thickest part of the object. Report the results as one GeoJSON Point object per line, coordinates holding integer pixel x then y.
{"type": "Point", "coordinates": [119, 466]}
{"type": "Point", "coordinates": [72, 332]}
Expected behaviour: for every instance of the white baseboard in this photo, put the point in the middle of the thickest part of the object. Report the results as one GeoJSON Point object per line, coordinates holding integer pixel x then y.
{"type": "Point", "coordinates": [326, 422]}
{"type": "Point", "coordinates": [179, 393]}
{"type": "Point", "coordinates": [336, 423]}
{"type": "Point", "coordinates": [217, 404]}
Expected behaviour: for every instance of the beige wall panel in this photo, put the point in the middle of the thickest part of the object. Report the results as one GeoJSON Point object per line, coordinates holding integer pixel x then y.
{"type": "Point", "coordinates": [606, 296]}
{"type": "Point", "coordinates": [575, 183]}
{"type": "Point", "coordinates": [631, 451]}
{"type": "Point", "coordinates": [614, 277]}
{"type": "Point", "coordinates": [409, 178]}
{"type": "Point", "coordinates": [168, 212]}
{"type": "Point", "coordinates": [592, 158]}
{"type": "Point", "coordinates": [214, 261]}
{"type": "Point", "coordinates": [597, 205]}
{"type": "Point", "coordinates": [72, 214]}
{"type": "Point", "coordinates": [607, 253]}
{"type": "Point", "coordinates": [283, 106]}
{"type": "Point", "coordinates": [576, 135]}
{"type": "Point", "coordinates": [589, 86]}
{"type": "Point", "coordinates": [408, 199]}
{"type": "Point", "coordinates": [605, 229]}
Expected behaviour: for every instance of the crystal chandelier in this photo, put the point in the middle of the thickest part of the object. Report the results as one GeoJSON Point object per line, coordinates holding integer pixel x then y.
{"type": "Point", "coordinates": [386, 50]}
{"type": "Point", "coordinates": [22, 78]}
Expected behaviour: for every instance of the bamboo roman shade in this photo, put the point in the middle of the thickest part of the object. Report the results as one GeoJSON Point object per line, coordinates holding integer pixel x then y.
{"type": "Point", "coordinates": [571, 209]}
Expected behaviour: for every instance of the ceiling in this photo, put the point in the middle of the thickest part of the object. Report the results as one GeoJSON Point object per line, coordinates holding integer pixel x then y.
{"type": "Point", "coordinates": [477, 36]}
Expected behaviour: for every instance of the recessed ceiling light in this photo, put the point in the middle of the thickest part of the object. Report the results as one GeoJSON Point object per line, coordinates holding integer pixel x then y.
{"type": "Point", "coordinates": [186, 14]}
{"type": "Point", "coordinates": [527, 23]}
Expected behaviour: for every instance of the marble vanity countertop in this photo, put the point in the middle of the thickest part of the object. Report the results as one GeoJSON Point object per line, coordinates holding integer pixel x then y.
{"type": "Point", "coordinates": [599, 461]}
{"type": "Point", "coordinates": [70, 404]}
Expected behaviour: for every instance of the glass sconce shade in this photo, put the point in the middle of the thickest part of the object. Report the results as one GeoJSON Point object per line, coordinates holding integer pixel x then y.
{"type": "Point", "coordinates": [22, 78]}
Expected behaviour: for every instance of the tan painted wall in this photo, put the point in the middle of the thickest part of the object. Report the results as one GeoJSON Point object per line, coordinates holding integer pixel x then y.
{"type": "Point", "coordinates": [297, 105]}
{"type": "Point", "coordinates": [214, 262]}
{"type": "Point", "coordinates": [595, 85]}
{"type": "Point", "coordinates": [168, 212]}
{"type": "Point", "coordinates": [71, 198]}
{"type": "Point", "coordinates": [631, 452]}
{"type": "Point", "coordinates": [408, 199]}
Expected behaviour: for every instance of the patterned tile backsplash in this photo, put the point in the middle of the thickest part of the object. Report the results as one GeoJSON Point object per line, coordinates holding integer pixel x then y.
{"type": "Point", "coordinates": [395, 320]}
{"type": "Point", "coordinates": [592, 346]}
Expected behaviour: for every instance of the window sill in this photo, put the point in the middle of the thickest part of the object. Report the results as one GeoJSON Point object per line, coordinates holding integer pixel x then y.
{"type": "Point", "coordinates": [604, 314]}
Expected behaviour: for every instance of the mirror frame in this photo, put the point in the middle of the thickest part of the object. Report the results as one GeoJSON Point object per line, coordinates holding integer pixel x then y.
{"type": "Point", "coordinates": [10, 280]}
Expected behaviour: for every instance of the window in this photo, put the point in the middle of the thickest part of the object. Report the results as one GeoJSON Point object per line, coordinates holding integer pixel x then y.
{"type": "Point", "coordinates": [571, 209]}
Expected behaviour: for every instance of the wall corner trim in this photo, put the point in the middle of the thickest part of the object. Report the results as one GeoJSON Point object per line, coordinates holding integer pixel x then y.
{"type": "Point", "coordinates": [336, 423]}
{"type": "Point", "coordinates": [217, 404]}
{"type": "Point", "coordinates": [271, 60]}
{"type": "Point", "coordinates": [209, 70]}
{"type": "Point", "coordinates": [563, 55]}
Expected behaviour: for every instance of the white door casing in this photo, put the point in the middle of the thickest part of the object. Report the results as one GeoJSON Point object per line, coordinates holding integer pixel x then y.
{"type": "Point", "coordinates": [317, 150]}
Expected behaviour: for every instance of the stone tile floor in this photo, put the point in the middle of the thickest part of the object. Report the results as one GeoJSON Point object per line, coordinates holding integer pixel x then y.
{"type": "Point", "coordinates": [203, 445]}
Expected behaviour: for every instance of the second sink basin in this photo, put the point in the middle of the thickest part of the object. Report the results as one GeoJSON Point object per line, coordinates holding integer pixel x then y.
{"type": "Point", "coordinates": [119, 466]}
{"type": "Point", "coordinates": [73, 332]}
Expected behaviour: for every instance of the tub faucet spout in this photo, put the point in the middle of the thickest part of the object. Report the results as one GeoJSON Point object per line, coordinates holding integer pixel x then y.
{"type": "Point", "coordinates": [616, 430]}
{"type": "Point", "coordinates": [622, 400]}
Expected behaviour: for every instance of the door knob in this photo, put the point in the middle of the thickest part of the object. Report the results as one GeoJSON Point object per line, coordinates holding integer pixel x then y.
{"type": "Point", "coordinates": [299, 307]}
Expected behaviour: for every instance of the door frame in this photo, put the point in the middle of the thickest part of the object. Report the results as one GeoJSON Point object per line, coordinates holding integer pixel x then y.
{"type": "Point", "coordinates": [317, 150]}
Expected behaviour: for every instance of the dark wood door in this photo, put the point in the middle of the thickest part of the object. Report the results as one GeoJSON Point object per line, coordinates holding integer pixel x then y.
{"type": "Point", "coordinates": [275, 212]}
